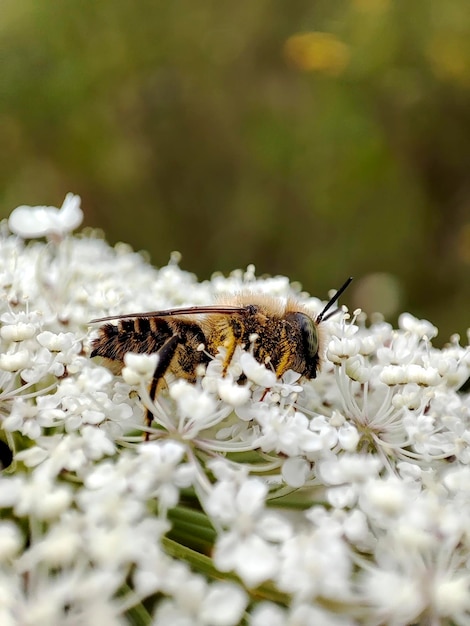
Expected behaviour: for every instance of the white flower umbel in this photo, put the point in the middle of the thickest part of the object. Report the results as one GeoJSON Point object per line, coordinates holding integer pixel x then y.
{"type": "Point", "coordinates": [46, 221]}
{"type": "Point", "coordinates": [341, 501]}
{"type": "Point", "coordinates": [249, 543]}
{"type": "Point", "coordinates": [391, 380]}
{"type": "Point", "coordinates": [197, 602]}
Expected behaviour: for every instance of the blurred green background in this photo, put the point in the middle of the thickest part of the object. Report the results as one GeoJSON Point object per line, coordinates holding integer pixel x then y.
{"type": "Point", "coordinates": [315, 139]}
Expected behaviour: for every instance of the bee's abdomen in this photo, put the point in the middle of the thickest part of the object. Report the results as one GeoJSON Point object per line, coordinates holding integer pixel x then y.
{"type": "Point", "coordinates": [140, 335]}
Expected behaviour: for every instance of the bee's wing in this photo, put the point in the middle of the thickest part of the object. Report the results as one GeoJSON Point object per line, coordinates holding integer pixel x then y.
{"type": "Point", "coordinates": [190, 310]}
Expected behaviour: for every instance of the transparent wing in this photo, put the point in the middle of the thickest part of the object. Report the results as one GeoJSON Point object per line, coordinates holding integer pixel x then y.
{"type": "Point", "coordinates": [190, 310]}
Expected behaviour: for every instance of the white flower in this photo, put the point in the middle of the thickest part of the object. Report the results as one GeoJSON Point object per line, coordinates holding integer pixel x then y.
{"type": "Point", "coordinates": [285, 431]}
{"type": "Point", "coordinates": [348, 437]}
{"type": "Point", "coordinates": [295, 471]}
{"type": "Point", "coordinates": [58, 342]}
{"type": "Point", "coordinates": [59, 546]}
{"type": "Point", "coordinates": [421, 328]}
{"type": "Point", "coordinates": [72, 452]}
{"type": "Point", "coordinates": [251, 557]}
{"type": "Point", "coordinates": [160, 473]}
{"type": "Point", "coordinates": [17, 332]}
{"type": "Point", "coordinates": [41, 221]}
{"type": "Point", "coordinates": [382, 499]}
{"type": "Point", "coordinates": [348, 468]}
{"type": "Point", "coordinates": [452, 593]}
{"type": "Point", "coordinates": [10, 540]}
{"type": "Point", "coordinates": [356, 370]}
{"type": "Point", "coordinates": [289, 385]}
{"type": "Point", "coordinates": [95, 443]}
{"type": "Point", "coordinates": [395, 597]}
{"type": "Point", "coordinates": [15, 361]}
{"type": "Point", "coordinates": [326, 435]}
{"type": "Point", "coordinates": [394, 375]}
{"type": "Point", "coordinates": [43, 499]}
{"type": "Point", "coordinates": [249, 546]}
{"type": "Point", "coordinates": [256, 372]}
{"type": "Point", "coordinates": [139, 368]}
{"type": "Point", "coordinates": [340, 349]}
{"type": "Point", "coordinates": [231, 393]}
{"type": "Point", "coordinates": [305, 568]}
{"type": "Point", "coordinates": [24, 418]}
{"type": "Point", "coordinates": [223, 604]}
{"type": "Point", "coordinates": [197, 602]}
{"type": "Point", "coordinates": [421, 375]}
{"type": "Point", "coordinates": [268, 614]}
{"type": "Point", "coordinates": [194, 405]}
{"type": "Point", "coordinates": [84, 399]}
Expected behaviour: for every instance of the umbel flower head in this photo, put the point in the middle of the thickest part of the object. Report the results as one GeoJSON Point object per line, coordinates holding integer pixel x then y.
{"type": "Point", "coordinates": [342, 500]}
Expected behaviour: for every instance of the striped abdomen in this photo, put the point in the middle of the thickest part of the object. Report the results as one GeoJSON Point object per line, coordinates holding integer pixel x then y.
{"type": "Point", "coordinates": [147, 336]}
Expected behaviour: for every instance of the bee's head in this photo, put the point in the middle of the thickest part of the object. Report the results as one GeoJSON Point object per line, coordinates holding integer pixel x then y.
{"type": "Point", "coordinates": [309, 339]}
{"type": "Point", "coordinates": [310, 332]}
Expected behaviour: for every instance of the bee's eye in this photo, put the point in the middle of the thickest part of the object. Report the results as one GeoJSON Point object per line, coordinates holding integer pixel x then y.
{"type": "Point", "coordinates": [308, 332]}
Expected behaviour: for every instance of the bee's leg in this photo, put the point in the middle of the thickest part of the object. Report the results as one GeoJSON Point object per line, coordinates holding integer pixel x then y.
{"type": "Point", "coordinates": [165, 356]}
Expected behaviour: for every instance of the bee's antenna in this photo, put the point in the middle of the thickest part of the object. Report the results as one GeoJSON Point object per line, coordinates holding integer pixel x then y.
{"type": "Point", "coordinates": [321, 316]}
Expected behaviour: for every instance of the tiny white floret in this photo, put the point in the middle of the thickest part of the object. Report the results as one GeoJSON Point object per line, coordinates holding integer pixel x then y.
{"type": "Point", "coordinates": [139, 367]}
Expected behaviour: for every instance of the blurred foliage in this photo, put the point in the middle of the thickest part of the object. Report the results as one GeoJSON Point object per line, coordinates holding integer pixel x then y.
{"type": "Point", "coordinates": [314, 139]}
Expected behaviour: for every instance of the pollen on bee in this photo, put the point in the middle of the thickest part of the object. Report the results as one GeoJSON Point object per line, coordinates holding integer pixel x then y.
{"type": "Point", "coordinates": [201, 347]}
{"type": "Point", "coordinates": [253, 337]}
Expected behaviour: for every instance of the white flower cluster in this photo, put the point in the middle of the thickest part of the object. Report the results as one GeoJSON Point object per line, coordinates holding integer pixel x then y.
{"type": "Point", "coordinates": [339, 501]}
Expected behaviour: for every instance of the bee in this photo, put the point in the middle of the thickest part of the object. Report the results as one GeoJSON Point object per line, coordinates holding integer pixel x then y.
{"type": "Point", "coordinates": [281, 334]}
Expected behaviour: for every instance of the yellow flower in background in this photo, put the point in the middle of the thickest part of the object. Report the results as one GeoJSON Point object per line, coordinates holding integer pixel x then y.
{"type": "Point", "coordinates": [449, 56]}
{"type": "Point", "coordinates": [317, 52]}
